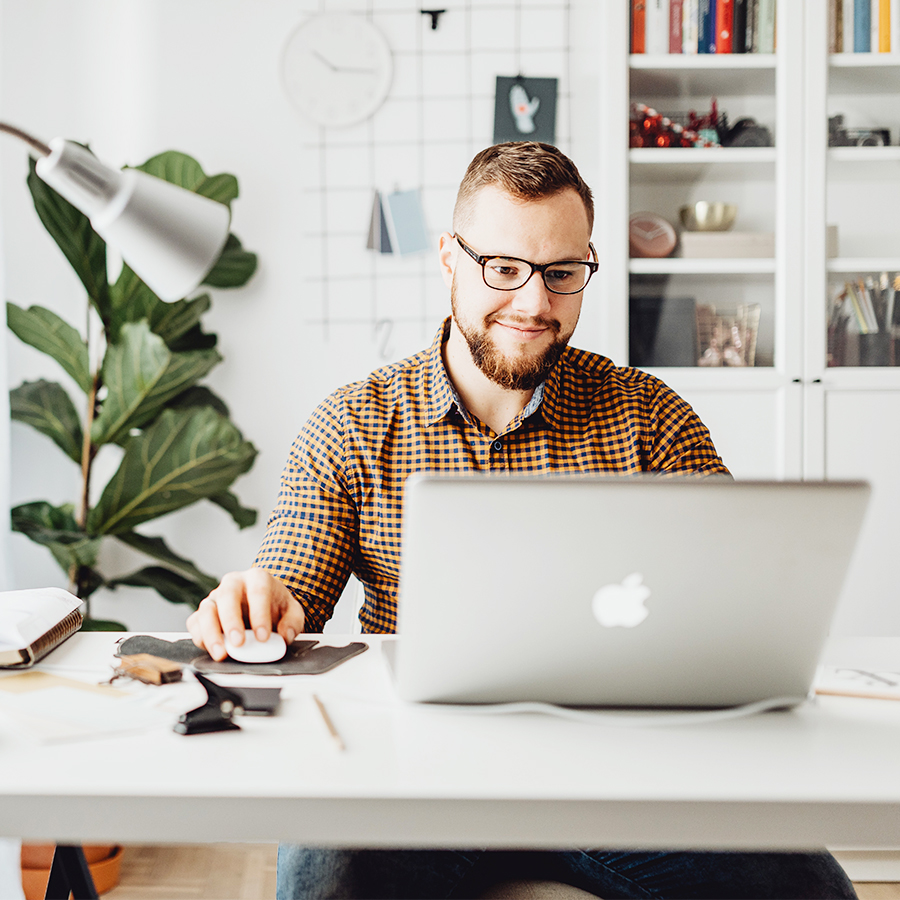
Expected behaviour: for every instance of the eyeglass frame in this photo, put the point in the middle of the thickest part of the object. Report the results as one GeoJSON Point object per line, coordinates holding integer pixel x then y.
{"type": "Point", "coordinates": [592, 265]}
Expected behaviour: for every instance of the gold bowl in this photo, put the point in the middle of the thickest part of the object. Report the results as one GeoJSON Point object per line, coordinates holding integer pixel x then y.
{"type": "Point", "coordinates": [703, 216]}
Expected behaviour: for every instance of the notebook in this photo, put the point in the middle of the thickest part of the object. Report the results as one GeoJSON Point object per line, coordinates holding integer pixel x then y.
{"type": "Point", "coordinates": [612, 591]}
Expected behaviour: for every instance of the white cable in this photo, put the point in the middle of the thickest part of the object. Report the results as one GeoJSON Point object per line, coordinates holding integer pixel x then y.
{"type": "Point", "coordinates": [648, 719]}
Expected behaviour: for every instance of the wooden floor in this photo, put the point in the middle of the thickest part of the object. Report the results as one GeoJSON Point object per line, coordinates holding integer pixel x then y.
{"type": "Point", "coordinates": [247, 872]}
{"type": "Point", "coordinates": [197, 872]}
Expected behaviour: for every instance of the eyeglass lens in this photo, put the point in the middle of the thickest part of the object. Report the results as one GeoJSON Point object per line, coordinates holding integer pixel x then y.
{"type": "Point", "coordinates": [560, 278]}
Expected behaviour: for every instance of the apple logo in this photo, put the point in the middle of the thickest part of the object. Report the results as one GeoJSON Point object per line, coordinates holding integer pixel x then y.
{"type": "Point", "coordinates": [622, 604]}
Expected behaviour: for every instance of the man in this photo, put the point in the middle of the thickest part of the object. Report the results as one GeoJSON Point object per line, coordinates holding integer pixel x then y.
{"type": "Point", "coordinates": [500, 391]}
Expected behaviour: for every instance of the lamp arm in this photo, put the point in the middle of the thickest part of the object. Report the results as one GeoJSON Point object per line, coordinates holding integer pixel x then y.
{"type": "Point", "coordinates": [33, 142]}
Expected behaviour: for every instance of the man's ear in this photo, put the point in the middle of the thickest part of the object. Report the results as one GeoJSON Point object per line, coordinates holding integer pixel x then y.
{"type": "Point", "coordinates": [447, 256]}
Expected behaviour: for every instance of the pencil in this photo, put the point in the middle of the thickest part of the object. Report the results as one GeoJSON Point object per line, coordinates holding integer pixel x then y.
{"type": "Point", "coordinates": [328, 723]}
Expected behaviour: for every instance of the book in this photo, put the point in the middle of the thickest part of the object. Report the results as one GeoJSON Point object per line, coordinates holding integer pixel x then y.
{"type": "Point", "coordinates": [835, 36]}
{"type": "Point", "coordinates": [751, 39]}
{"type": "Point", "coordinates": [638, 27]}
{"type": "Point", "coordinates": [656, 26]}
{"type": "Point", "coordinates": [862, 26]}
{"type": "Point", "coordinates": [739, 30]}
{"type": "Point", "coordinates": [676, 25]}
{"type": "Point", "coordinates": [884, 26]}
{"type": "Point", "coordinates": [706, 27]}
{"type": "Point", "coordinates": [34, 622]}
{"type": "Point", "coordinates": [690, 26]}
{"type": "Point", "coordinates": [724, 26]}
{"type": "Point", "coordinates": [765, 23]}
{"type": "Point", "coordinates": [848, 17]}
{"type": "Point", "coordinates": [727, 244]}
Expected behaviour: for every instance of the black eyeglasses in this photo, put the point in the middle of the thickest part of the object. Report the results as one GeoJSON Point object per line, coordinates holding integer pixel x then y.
{"type": "Point", "coordinates": [507, 273]}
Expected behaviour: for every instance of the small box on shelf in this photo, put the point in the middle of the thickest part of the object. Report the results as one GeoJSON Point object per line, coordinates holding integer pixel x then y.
{"type": "Point", "coordinates": [727, 244]}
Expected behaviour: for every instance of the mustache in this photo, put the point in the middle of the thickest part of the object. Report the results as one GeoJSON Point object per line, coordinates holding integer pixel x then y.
{"type": "Point", "coordinates": [524, 321]}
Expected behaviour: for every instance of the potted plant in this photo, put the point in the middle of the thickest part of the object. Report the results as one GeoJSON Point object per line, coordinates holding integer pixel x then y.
{"type": "Point", "coordinates": [176, 440]}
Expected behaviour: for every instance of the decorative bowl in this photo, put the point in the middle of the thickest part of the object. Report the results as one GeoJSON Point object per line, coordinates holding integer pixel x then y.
{"type": "Point", "coordinates": [703, 216]}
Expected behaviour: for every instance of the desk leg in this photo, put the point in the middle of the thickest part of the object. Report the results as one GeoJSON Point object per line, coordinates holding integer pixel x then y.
{"type": "Point", "coordinates": [69, 874]}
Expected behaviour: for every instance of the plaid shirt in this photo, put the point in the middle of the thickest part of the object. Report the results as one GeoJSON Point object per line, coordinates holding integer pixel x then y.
{"type": "Point", "coordinates": [340, 506]}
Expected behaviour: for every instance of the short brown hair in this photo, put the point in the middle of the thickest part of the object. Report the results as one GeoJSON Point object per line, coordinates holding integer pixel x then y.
{"type": "Point", "coordinates": [529, 170]}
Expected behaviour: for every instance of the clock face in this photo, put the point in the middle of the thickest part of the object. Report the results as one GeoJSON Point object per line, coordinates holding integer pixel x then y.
{"type": "Point", "coordinates": [337, 69]}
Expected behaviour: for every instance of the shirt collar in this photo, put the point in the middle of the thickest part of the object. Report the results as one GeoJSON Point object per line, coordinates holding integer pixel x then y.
{"type": "Point", "coordinates": [441, 395]}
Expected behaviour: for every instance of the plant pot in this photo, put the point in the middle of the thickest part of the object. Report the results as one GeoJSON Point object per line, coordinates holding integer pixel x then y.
{"type": "Point", "coordinates": [104, 862]}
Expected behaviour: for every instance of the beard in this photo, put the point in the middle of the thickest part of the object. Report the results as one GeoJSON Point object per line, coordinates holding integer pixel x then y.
{"type": "Point", "coordinates": [522, 372]}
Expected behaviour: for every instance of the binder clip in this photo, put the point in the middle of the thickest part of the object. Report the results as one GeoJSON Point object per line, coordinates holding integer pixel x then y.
{"type": "Point", "coordinates": [217, 714]}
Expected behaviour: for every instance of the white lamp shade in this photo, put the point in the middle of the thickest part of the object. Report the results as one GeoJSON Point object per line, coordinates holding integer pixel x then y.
{"type": "Point", "coordinates": [171, 237]}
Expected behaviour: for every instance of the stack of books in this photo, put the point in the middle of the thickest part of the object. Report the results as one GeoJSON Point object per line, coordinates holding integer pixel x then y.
{"type": "Point", "coordinates": [703, 26]}
{"type": "Point", "coordinates": [863, 26]}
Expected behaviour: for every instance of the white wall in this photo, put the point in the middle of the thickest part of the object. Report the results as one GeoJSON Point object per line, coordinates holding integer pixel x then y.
{"type": "Point", "coordinates": [136, 77]}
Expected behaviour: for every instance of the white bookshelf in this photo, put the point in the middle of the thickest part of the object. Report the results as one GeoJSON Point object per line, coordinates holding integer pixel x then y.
{"type": "Point", "coordinates": [792, 416]}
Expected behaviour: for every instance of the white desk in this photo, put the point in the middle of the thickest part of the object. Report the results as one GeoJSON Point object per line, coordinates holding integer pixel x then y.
{"type": "Point", "coordinates": [825, 774]}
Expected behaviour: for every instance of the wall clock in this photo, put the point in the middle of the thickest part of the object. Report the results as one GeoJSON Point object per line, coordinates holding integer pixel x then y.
{"type": "Point", "coordinates": [337, 69]}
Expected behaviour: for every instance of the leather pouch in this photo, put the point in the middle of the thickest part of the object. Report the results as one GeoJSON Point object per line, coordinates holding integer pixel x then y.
{"type": "Point", "coordinates": [302, 658]}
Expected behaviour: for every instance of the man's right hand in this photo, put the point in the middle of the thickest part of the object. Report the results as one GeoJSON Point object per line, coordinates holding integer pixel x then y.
{"type": "Point", "coordinates": [250, 599]}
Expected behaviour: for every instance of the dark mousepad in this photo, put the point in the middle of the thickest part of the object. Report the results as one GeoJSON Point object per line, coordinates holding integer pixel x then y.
{"type": "Point", "coordinates": [302, 658]}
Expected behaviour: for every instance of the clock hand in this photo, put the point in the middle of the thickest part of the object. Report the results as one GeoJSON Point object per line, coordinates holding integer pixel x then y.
{"type": "Point", "coordinates": [324, 60]}
{"type": "Point", "coordinates": [335, 68]}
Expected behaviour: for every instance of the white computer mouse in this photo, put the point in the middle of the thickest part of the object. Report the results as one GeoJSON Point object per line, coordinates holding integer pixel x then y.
{"type": "Point", "coordinates": [254, 650]}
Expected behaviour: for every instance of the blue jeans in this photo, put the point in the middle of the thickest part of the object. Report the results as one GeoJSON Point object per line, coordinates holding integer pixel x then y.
{"type": "Point", "coordinates": [308, 873]}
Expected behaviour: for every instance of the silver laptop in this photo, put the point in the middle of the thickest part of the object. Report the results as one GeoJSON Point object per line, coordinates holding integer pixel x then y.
{"type": "Point", "coordinates": [612, 591]}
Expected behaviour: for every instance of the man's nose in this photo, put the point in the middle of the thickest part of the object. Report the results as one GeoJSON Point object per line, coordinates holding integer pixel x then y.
{"type": "Point", "coordinates": [533, 298]}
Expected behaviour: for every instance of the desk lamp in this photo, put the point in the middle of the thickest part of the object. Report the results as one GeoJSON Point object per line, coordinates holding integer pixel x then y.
{"type": "Point", "coordinates": [169, 236]}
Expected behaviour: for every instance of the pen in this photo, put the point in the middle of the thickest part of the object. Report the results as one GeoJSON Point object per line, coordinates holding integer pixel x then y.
{"type": "Point", "coordinates": [328, 723]}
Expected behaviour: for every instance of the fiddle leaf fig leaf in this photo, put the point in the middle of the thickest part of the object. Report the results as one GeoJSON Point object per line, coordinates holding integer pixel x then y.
{"type": "Point", "coordinates": [157, 548]}
{"type": "Point", "coordinates": [172, 320]}
{"type": "Point", "coordinates": [234, 267]}
{"type": "Point", "coordinates": [223, 188]}
{"type": "Point", "coordinates": [184, 456]}
{"type": "Point", "coordinates": [199, 395]}
{"type": "Point", "coordinates": [183, 170]}
{"type": "Point", "coordinates": [44, 405]}
{"type": "Point", "coordinates": [45, 331]}
{"type": "Point", "coordinates": [175, 167]}
{"type": "Point", "coordinates": [242, 515]}
{"type": "Point", "coordinates": [82, 246]}
{"type": "Point", "coordinates": [142, 375]}
{"type": "Point", "coordinates": [173, 587]}
{"type": "Point", "coordinates": [133, 301]}
{"type": "Point", "coordinates": [55, 528]}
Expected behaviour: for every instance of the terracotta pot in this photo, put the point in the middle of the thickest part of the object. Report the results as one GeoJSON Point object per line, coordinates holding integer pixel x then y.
{"type": "Point", "coordinates": [104, 862]}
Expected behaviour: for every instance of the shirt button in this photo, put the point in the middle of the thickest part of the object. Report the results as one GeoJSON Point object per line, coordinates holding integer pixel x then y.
{"type": "Point", "coordinates": [498, 445]}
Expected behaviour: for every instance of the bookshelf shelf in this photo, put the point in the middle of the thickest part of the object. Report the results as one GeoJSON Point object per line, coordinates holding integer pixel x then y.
{"type": "Point", "coordinates": [863, 154]}
{"type": "Point", "coordinates": [864, 60]}
{"type": "Point", "coordinates": [704, 156]}
{"type": "Point", "coordinates": [681, 266]}
{"type": "Point", "coordinates": [702, 61]}
{"type": "Point", "coordinates": [861, 265]}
